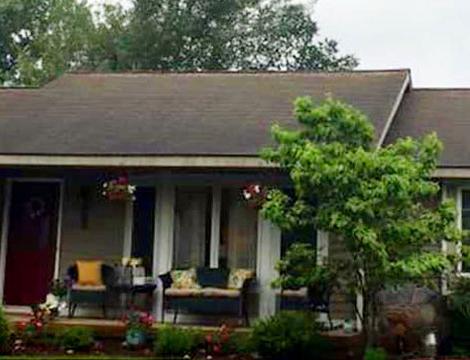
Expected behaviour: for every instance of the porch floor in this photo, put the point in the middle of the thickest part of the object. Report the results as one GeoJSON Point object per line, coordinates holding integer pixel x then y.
{"type": "Point", "coordinates": [103, 327]}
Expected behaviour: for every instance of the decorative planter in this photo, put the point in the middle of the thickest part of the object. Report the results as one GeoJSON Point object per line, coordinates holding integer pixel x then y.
{"type": "Point", "coordinates": [136, 337]}
{"type": "Point", "coordinates": [343, 345]}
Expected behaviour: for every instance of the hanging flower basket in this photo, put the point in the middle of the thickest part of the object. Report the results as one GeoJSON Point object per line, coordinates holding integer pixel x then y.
{"type": "Point", "coordinates": [254, 195]}
{"type": "Point", "coordinates": [118, 189]}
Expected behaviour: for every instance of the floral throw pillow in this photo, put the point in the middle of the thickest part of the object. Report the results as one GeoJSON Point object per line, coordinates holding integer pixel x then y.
{"type": "Point", "coordinates": [238, 276]}
{"type": "Point", "coordinates": [184, 279]}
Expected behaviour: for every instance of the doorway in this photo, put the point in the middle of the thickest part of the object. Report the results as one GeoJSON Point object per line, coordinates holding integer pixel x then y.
{"type": "Point", "coordinates": [31, 241]}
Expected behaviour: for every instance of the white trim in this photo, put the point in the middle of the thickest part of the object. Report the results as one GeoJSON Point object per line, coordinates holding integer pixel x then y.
{"type": "Point", "coordinates": [136, 161]}
{"type": "Point", "coordinates": [393, 112]}
{"type": "Point", "coordinates": [58, 246]}
{"type": "Point", "coordinates": [268, 253]}
{"type": "Point", "coordinates": [444, 244]}
{"type": "Point", "coordinates": [322, 247]}
{"type": "Point", "coordinates": [459, 226]}
{"type": "Point", "coordinates": [452, 173]}
{"type": "Point", "coordinates": [163, 238]}
{"type": "Point", "coordinates": [6, 224]}
{"type": "Point", "coordinates": [215, 226]}
{"type": "Point", "coordinates": [128, 228]}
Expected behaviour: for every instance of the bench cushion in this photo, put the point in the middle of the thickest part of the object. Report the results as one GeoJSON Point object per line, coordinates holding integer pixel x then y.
{"type": "Point", "coordinates": [220, 293]}
{"type": "Point", "coordinates": [173, 292]}
{"type": "Point", "coordinates": [78, 287]}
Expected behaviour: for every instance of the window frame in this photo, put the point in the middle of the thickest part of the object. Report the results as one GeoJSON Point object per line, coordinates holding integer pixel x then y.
{"type": "Point", "coordinates": [459, 204]}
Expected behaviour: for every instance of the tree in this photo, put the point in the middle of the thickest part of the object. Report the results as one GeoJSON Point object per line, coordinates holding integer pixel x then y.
{"type": "Point", "coordinates": [229, 34]}
{"type": "Point", "coordinates": [40, 39]}
{"type": "Point", "coordinates": [376, 200]}
{"type": "Point", "coordinates": [43, 39]}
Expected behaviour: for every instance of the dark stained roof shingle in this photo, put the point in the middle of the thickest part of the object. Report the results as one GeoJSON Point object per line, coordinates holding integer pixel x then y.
{"type": "Point", "coordinates": [444, 111]}
{"type": "Point", "coordinates": [176, 114]}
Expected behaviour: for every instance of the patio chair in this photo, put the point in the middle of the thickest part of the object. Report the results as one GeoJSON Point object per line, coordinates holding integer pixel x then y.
{"type": "Point", "coordinates": [97, 295]}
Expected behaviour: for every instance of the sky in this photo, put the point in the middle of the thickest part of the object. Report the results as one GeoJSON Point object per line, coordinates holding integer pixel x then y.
{"type": "Point", "coordinates": [430, 37]}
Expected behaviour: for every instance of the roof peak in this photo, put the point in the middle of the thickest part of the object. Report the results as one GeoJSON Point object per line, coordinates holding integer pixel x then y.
{"type": "Point", "coordinates": [238, 72]}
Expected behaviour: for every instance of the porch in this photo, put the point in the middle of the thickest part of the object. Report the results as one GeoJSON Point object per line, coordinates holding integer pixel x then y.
{"type": "Point", "coordinates": [103, 328]}
{"type": "Point", "coordinates": [179, 219]}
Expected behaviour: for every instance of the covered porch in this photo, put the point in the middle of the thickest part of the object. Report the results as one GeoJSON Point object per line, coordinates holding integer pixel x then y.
{"type": "Point", "coordinates": [180, 218]}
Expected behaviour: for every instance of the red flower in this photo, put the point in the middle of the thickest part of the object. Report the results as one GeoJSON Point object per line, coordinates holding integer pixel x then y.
{"type": "Point", "coordinates": [216, 349]}
{"type": "Point", "coordinates": [209, 339]}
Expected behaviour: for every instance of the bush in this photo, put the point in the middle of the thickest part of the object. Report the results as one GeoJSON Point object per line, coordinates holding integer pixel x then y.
{"type": "Point", "coordinates": [76, 338]}
{"type": "Point", "coordinates": [375, 354]}
{"type": "Point", "coordinates": [288, 336]}
{"type": "Point", "coordinates": [172, 341]}
{"type": "Point", "coordinates": [241, 343]}
{"type": "Point", "coordinates": [4, 332]}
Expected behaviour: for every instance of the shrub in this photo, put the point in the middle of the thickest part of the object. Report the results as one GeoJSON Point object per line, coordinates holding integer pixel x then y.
{"type": "Point", "coordinates": [172, 341]}
{"type": "Point", "coordinates": [287, 336]}
{"type": "Point", "coordinates": [76, 338]}
{"type": "Point", "coordinates": [241, 343]}
{"type": "Point", "coordinates": [375, 354]}
{"type": "Point", "coordinates": [4, 332]}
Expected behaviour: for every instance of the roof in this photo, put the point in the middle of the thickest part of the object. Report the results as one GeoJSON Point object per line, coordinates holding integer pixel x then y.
{"type": "Point", "coordinates": [178, 113]}
{"type": "Point", "coordinates": [444, 111]}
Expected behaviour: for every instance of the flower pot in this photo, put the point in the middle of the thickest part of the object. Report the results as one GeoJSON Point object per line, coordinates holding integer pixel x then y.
{"type": "Point", "coordinates": [136, 337]}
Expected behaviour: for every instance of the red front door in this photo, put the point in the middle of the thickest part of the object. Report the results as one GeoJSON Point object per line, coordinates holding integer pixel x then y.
{"type": "Point", "coordinates": [32, 235]}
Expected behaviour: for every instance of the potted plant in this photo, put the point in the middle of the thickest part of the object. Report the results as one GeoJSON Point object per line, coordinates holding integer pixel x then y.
{"type": "Point", "coordinates": [138, 328]}
{"type": "Point", "coordinates": [299, 269]}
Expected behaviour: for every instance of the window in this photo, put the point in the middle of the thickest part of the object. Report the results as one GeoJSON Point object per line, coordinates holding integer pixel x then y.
{"type": "Point", "coordinates": [143, 226]}
{"type": "Point", "coordinates": [238, 231]}
{"type": "Point", "coordinates": [192, 227]}
{"type": "Point", "coordinates": [465, 222]}
{"type": "Point", "coordinates": [307, 235]}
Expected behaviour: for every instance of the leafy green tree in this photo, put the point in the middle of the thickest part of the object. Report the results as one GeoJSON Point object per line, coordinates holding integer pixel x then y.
{"type": "Point", "coordinates": [376, 200]}
{"type": "Point", "coordinates": [229, 34]}
{"type": "Point", "coordinates": [40, 39]}
{"type": "Point", "coordinates": [43, 38]}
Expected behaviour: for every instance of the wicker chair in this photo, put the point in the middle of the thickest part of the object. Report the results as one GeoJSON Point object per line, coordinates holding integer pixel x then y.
{"type": "Point", "coordinates": [96, 295]}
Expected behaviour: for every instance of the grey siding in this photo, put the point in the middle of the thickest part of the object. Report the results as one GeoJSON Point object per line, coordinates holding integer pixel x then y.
{"type": "Point", "coordinates": [342, 306]}
{"type": "Point", "coordinates": [100, 237]}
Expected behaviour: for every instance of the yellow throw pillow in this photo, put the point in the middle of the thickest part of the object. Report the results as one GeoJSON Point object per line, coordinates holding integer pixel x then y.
{"type": "Point", "coordinates": [237, 278]}
{"type": "Point", "coordinates": [89, 272]}
{"type": "Point", "coordinates": [184, 279]}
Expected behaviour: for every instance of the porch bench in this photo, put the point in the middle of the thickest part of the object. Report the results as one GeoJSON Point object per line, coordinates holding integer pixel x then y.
{"type": "Point", "coordinates": [211, 291]}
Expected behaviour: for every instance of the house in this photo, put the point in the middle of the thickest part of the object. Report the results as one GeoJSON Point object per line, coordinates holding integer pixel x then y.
{"type": "Point", "coordinates": [189, 143]}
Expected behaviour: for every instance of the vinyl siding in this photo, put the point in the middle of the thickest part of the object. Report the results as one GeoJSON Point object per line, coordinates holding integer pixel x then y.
{"type": "Point", "coordinates": [101, 237]}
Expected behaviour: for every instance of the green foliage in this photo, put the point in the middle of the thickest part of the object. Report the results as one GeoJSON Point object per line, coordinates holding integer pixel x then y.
{"type": "Point", "coordinates": [4, 332]}
{"type": "Point", "coordinates": [299, 269]}
{"type": "Point", "coordinates": [288, 335]}
{"type": "Point", "coordinates": [459, 299]}
{"type": "Point", "coordinates": [380, 201]}
{"type": "Point", "coordinates": [76, 338]}
{"type": "Point", "coordinates": [375, 354]}
{"type": "Point", "coordinates": [40, 39]}
{"type": "Point", "coordinates": [240, 343]}
{"type": "Point", "coordinates": [173, 341]}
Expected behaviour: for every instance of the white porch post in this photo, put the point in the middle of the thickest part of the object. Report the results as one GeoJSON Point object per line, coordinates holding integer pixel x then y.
{"type": "Point", "coordinates": [163, 238]}
{"type": "Point", "coordinates": [215, 226]}
{"type": "Point", "coordinates": [268, 253]}
{"type": "Point", "coordinates": [128, 227]}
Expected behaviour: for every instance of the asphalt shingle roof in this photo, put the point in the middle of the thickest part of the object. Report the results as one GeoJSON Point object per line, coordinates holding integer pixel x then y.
{"type": "Point", "coordinates": [444, 111]}
{"type": "Point", "coordinates": [176, 114]}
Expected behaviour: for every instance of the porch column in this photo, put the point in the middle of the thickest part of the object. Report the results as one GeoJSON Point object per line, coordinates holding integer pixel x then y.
{"type": "Point", "coordinates": [163, 238]}
{"type": "Point", "coordinates": [268, 253]}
